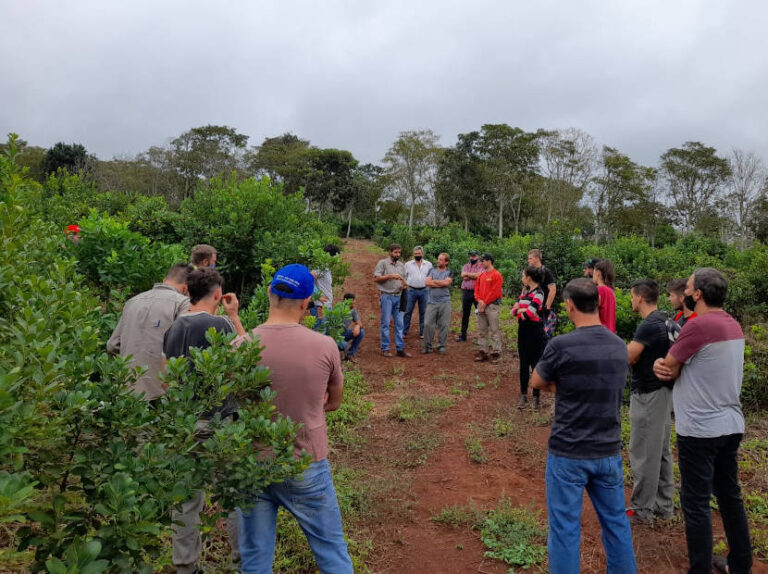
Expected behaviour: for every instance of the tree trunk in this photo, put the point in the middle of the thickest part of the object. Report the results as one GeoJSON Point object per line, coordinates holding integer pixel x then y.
{"type": "Point", "coordinates": [349, 222]}
{"type": "Point", "coordinates": [466, 223]}
{"type": "Point", "coordinates": [501, 217]}
{"type": "Point", "coordinates": [410, 218]}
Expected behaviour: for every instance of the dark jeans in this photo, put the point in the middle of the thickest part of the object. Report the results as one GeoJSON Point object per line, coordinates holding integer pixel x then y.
{"type": "Point", "coordinates": [710, 465]}
{"type": "Point", "coordinates": [353, 346]}
{"type": "Point", "coordinates": [414, 296]}
{"type": "Point", "coordinates": [467, 300]}
{"type": "Point", "coordinates": [530, 346]}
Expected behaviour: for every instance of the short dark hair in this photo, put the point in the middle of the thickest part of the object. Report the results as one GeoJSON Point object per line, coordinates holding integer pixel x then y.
{"type": "Point", "coordinates": [712, 284]}
{"type": "Point", "coordinates": [605, 267]}
{"type": "Point", "coordinates": [534, 273]}
{"type": "Point", "coordinates": [203, 282]}
{"type": "Point", "coordinates": [349, 296]}
{"type": "Point", "coordinates": [677, 286]}
{"type": "Point", "coordinates": [583, 293]}
{"type": "Point", "coordinates": [591, 262]}
{"type": "Point", "coordinates": [332, 249]}
{"type": "Point", "coordinates": [202, 252]}
{"type": "Point", "coordinates": [487, 257]}
{"type": "Point", "coordinates": [393, 246]}
{"type": "Point", "coordinates": [179, 272]}
{"type": "Point", "coordinates": [648, 289]}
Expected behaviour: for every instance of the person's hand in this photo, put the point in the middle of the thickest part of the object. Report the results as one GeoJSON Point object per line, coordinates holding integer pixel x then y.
{"type": "Point", "coordinates": [323, 299]}
{"type": "Point", "coordinates": [480, 307]}
{"type": "Point", "coordinates": [230, 303]}
{"type": "Point", "coordinates": [325, 398]}
{"type": "Point", "coordinates": [661, 370]}
{"type": "Point", "coordinates": [356, 330]}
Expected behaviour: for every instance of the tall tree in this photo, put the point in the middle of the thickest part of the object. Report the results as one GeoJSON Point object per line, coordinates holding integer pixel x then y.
{"type": "Point", "coordinates": [72, 157]}
{"type": "Point", "coordinates": [747, 181]}
{"type": "Point", "coordinates": [285, 159]}
{"type": "Point", "coordinates": [410, 166]}
{"type": "Point", "coordinates": [459, 185]}
{"type": "Point", "coordinates": [330, 182]}
{"type": "Point", "coordinates": [510, 157]}
{"type": "Point", "coordinates": [206, 152]}
{"type": "Point", "coordinates": [367, 184]}
{"type": "Point", "coordinates": [695, 176]}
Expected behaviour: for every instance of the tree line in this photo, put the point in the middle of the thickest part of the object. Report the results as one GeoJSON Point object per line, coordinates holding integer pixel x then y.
{"type": "Point", "coordinates": [498, 180]}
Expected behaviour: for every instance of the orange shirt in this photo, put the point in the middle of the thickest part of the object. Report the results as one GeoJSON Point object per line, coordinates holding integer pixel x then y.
{"type": "Point", "coordinates": [488, 286]}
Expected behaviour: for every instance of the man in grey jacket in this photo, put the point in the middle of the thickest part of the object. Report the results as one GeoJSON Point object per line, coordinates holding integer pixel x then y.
{"type": "Point", "coordinates": [145, 319]}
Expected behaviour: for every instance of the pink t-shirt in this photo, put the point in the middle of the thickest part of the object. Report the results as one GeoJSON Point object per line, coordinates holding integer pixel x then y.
{"type": "Point", "coordinates": [607, 307]}
{"type": "Point", "coordinates": [304, 365]}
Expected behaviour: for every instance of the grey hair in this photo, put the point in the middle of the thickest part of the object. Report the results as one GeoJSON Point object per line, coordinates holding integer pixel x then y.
{"type": "Point", "coordinates": [419, 247]}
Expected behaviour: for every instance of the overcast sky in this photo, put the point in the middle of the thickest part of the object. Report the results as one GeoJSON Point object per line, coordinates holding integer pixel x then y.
{"type": "Point", "coordinates": [642, 76]}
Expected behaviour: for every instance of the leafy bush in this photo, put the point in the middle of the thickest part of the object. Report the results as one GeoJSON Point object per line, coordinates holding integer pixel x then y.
{"type": "Point", "coordinates": [151, 217]}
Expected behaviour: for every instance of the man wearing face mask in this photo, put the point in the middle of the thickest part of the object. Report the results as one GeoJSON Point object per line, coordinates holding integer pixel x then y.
{"type": "Point", "coordinates": [389, 276]}
{"type": "Point", "coordinates": [682, 303]}
{"type": "Point", "coordinates": [145, 319]}
{"type": "Point", "coordinates": [469, 274]}
{"type": "Point", "coordinates": [416, 272]}
{"type": "Point", "coordinates": [203, 255]}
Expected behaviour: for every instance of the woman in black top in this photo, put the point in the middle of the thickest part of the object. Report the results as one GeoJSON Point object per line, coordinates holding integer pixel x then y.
{"type": "Point", "coordinates": [529, 311]}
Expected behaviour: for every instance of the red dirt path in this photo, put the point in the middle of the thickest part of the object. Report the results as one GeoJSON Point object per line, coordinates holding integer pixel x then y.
{"type": "Point", "coordinates": [405, 541]}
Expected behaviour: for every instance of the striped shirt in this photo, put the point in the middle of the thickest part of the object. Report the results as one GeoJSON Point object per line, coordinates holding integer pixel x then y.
{"type": "Point", "coordinates": [530, 306]}
{"type": "Point", "coordinates": [589, 368]}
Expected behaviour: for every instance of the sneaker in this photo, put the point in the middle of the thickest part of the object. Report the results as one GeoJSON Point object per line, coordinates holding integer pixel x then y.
{"type": "Point", "coordinates": [386, 353]}
{"type": "Point", "coordinates": [426, 351]}
{"type": "Point", "coordinates": [523, 402]}
{"type": "Point", "coordinates": [636, 519]}
{"type": "Point", "coordinates": [403, 353]}
{"type": "Point", "coordinates": [536, 403]}
{"type": "Point", "coordinates": [421, 336]}
{"type": "Point", "coordinates": [480, 356]}
{"type": "Point", "coordinates": [495, 358]}
{"type": "Point", "coordinates": [720, 564]}
{"type": "Point", "coordinates": [461, 338]}
{"type": "Point", "coordinates": [441, 350]}
{"type": "Point", "coordinates": [351, 359]}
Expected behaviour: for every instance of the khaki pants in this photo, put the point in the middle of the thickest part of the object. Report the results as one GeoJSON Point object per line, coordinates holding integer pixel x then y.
{"type": "Point", "coordinates": [488, 328]}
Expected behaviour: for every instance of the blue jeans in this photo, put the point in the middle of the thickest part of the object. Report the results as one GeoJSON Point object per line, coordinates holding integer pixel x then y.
{"type": "Point", "coordinates": [312, 501]}
{"type": "Point", "coordinates": [353, 346]}
{"type": "Point", "coordinates": [419, 296]}
{"type": "Point", "coordinates": [604, 480]}
{"type": "Point", "coordinates": [390, 307]}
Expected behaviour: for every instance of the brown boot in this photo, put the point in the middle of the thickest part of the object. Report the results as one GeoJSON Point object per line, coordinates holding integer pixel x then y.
{"type": "Point", "coordinates": [480, 356]}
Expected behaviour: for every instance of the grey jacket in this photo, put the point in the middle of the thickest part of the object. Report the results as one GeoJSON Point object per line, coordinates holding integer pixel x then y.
{"type": "Point", "coordinates": [146, 317]}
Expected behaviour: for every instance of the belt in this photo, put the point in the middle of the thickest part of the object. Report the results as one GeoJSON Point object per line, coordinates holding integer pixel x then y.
{"type": "Point", "coordinates": [416, 288]}
{"type": "Point", "coordinates": [385, 293]}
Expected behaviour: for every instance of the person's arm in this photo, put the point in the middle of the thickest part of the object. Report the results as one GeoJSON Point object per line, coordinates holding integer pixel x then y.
{"type": "Point", "coordinates": [634, 350]}
{"type": "Point", "coordinates": [231, 304]}
{"type": "Point", "coordinates": [667, 369]}
{"type": "Point", "coordinates": [335, 390]}
{"type": "Point", "coordinates": [113, 345]}
{"type": "Point", "coordinates": [537, 382]}
{"type": "Point", "coordinates": [551, 295]}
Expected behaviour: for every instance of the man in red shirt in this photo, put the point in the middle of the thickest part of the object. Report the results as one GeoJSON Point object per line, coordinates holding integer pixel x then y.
{"type": "Point", "coordinates": [488, 297]}
{"type": "Point", "coordinates": [681, 302]}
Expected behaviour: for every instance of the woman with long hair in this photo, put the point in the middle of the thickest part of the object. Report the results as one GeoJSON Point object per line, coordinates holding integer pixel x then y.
{"type": "Point", "coordinates": [604, 276]}
{"type": "Point", "coordinates": [529, 311]}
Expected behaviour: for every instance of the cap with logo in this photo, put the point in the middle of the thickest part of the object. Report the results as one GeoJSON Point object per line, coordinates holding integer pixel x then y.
{"type": "Point", "coordinates": [293, 281]}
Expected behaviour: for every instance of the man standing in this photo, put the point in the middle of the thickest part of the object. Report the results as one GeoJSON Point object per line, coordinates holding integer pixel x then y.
{"type": "Point", "coordinates": [488, 294]}
{"type": "Point", "coordinates": [389, 277]}
{"type": "Point", "coordinates": [416, 272]}
{"type": "Point", "coordinates": [189, 329]}
{"type": "Point", "coordinates": [547, 282]}
{"type": "Point", "coordinates": [145, 319]}
{"type": "Point", "coordinates": [707, 361]}
{"type": "Point", "coordinates": [587, 369]}
{"type": "Point", "coordinates": [439, 283]}
{"type": "Point", "coordinates": [203, 255]}
{"type": "Point", "coordinates": [649, 411]}
{"type": "Point", "coordinates": [681, 302]}
{"type": "Point", "coordinates": [469, 274]}
{"type": "Point", "coordinates": [353, 330]}
{"type": "Point", "coordinates": [305, 371]}
{"type": "Point", "coordinates": [324, 284]}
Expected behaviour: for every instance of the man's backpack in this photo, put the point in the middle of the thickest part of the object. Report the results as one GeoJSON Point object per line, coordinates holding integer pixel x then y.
{"type": "Point", "coordinates": [673, 329]}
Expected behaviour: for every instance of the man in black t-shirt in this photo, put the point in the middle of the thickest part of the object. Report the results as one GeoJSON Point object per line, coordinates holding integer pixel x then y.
{"type": "Point", "coordinates": [587, 370]}
{"type": "Point", "coordinates": [649, 411]}
{"type": "Point", "coordinates": [187, 331]}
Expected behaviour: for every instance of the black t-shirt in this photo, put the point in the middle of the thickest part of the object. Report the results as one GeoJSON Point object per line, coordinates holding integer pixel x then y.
{"type": "Point", "coordinates": [546, 280]}
{"type": "Point", "coordinates": [188, 331]}
{"type": "Point", "coordinates": [651, 332]}
{"type": "Point", "coordinates": [589, 369]}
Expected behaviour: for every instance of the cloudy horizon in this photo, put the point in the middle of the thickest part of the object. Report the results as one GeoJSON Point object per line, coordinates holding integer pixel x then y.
{"type": "Point", "coordinates": [641, 77]}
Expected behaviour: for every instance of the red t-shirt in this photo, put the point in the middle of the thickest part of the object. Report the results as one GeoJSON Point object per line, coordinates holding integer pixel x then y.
{"type": "Point", "coordinates": [488, 286]}
{"type": "Point", "coordinates": [607, 307]}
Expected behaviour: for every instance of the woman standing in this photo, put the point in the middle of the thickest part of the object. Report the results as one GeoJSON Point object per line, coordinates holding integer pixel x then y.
{"type": "Point", "coordinates": [529, 311]}
{"type": "Point", "coordinates": [604, 276]}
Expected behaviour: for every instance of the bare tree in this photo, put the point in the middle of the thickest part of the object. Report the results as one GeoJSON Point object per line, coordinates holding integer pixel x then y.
{"type": "Point", "coordinates": [747, 181]}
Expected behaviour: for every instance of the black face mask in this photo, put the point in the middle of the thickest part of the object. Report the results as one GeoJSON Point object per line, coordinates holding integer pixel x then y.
{"type": "Point", "coordinates": [689, 302]}
{"type": "Point", "coordinates": [395, 259]}
{"type": "Point", "coordinates": [473, 261]}
{"type": "Point", "coordinates": [417, 257]}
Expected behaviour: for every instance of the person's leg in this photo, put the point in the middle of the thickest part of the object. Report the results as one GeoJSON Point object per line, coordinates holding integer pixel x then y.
{"type": "Point", "coordinates": [429, 328]}
{"type": "Point", "coordinates": [537, 343]}
{"type": "Point", "coordinates": [467, 298]}
{"type": "Point", "coordinates": [696, 458]}
{"type": "Point", "coordinates": [185, 538]}
{"type": "Point", "coordinates": [665, 505]}
{"type": "Point", "coordinates": [492, 312]}
{"type": "Point", "coordinates": [482, 332]}
{"type": "Point", "coordinates": [644, 460]}
{"type": "Point", "coordinates": [565, 483]}
{"type": "Point", "coordinates": [606, 490]}
{"type": "Point", "coordinates": [399, 339]}
{"type": "Point", "coordinates": [412, 296]}
{"type": "Point", "coordinates": [386, 314]}
{"type": "Point", "coordinates": [234, 536]}
{"type": "Point", "coordinates": [355, 343]}
{"type": "Point", "coordinates": [423, 299]}
{"type": "Point", "coordinates": [258, 529]}
{"type": "Point", "coordinates": [523, 352]}
{"type": "Point", "coordinates": [443, 323]}
{"type": "Point", "coordinates": [312, 500]}
{"type": "Point", "coordinates": [728, 493]}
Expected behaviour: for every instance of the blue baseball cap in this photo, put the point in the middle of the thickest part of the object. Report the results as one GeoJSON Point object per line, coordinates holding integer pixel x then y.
{"type": "Point", "coordinates": [293, 281]}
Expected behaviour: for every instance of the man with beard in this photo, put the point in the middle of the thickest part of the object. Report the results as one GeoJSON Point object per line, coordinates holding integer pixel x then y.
{"type": "Point", "coordinates": [681, 302]}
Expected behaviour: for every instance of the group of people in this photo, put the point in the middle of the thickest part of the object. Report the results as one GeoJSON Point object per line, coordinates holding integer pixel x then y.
{"type": "Point", "coordinates": [694, 371]}
{"type": "Point", "coordinates": [172, 318]}
{"type": "Point", "coordinates": [690, 365]}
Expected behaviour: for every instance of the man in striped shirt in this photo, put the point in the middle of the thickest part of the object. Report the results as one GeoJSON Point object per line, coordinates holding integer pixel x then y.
{"type": "Point", "coordinates": [469, 274]}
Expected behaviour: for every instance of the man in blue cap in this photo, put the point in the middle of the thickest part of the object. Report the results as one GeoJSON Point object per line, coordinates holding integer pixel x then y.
{"type": "Point", "coordinates": [305, 371]}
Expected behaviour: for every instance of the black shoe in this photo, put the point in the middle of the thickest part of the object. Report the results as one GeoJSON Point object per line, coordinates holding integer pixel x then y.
{"type": "Point", "coordinates": [403, 353]}
{"type": "Point", "coordinates": [441, 350]}
{"type": "Point", "coordinates": [426, 351]}
{"type": "Point", "coordinates": [461, 338]}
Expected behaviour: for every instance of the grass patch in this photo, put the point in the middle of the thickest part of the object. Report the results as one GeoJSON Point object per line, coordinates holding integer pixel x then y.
{"type": "Point", "coordinates": [419, 408]}
{"type": "Point", "coordinates": [475, 449]}
{"type": "Point", "coordinates": [418, 448]}
{"type": "Point", "coordinates": [457, 516]}
{"type": "Point", "coordinates": [354, 410]}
